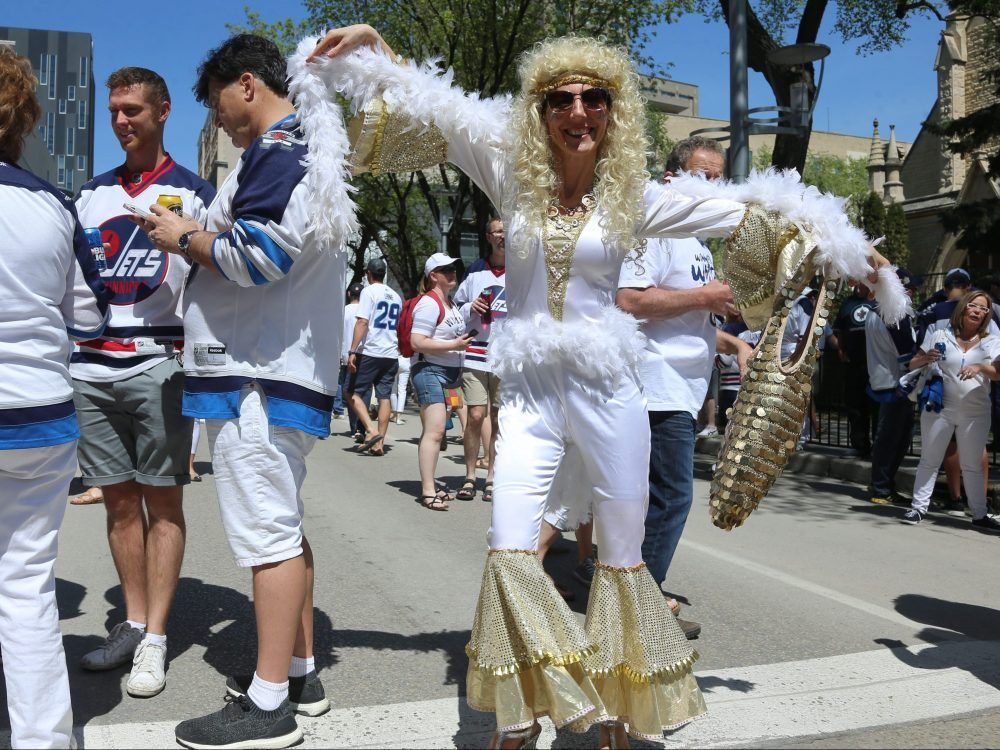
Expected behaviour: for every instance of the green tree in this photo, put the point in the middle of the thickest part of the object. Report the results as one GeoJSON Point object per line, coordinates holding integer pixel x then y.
{"type": "Point", "coordinates": [480, 40]}
{"type": "Point", "coordinates": [873, 218]}
{"type": "Point", "coordinates": [876, 25]}
{"type": "Point", "coordinates": [896, 247]}
{"type": "Point", "coordinates": [977, 135]}
{"type": "Point", "coordinates": [847, 178]}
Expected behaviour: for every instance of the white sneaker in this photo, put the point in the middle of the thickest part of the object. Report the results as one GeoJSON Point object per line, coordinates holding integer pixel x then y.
{"type": "Point", "coordinates": [708, 431]}
{"type": "Point", "coordinates": [147, 677]}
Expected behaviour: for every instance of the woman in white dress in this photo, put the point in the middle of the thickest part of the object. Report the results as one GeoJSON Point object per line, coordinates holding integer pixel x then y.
{"type": "Point", "coordinates": [564, 161]}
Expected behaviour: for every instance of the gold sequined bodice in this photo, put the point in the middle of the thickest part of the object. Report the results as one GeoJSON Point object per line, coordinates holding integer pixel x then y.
{"type": "Point", "coordinates": [561, 234]}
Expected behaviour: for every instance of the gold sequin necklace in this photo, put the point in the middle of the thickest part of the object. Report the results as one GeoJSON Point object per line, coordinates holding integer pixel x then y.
{"type": "Point", "coordinates": [562, 230]}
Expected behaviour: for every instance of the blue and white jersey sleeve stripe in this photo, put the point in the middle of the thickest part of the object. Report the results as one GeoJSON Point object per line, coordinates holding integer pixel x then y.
{"type": "Point", "coordinates": [270, 208]}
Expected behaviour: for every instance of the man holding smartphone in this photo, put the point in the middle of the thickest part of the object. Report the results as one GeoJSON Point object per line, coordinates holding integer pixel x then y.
{"type": "Point", "coordinates": [134, 444]}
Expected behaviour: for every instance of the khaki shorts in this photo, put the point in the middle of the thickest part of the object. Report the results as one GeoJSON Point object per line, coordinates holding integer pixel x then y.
{"type": "Point", "coordinates": [480, 388]}
{"type": "Point", "coordinates": [133, 429]}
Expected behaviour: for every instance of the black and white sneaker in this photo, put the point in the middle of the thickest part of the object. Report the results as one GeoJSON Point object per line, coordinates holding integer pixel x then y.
{"type": "Point", "coordinates": [305, 694]}
{"type": "Point", "coordinates": [912, 517]}
{"type": "Point", "coordinates": [241, 724]}
{"type": "Point", "coordinates": [986, 523]}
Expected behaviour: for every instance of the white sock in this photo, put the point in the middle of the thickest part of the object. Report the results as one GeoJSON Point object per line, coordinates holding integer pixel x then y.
{"type": "Point", "coordinates": [301, 667]}
{"type": "Point", "coordinates": [137, 625]}
{"type": "Point", "coordinates": [267, 696]}
{"type": "Point", "coordinates": [158, 640]}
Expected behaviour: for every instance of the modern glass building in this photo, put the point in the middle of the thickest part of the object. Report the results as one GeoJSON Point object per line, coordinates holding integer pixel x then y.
{"type": "Point", "coordinates": [61, 149]}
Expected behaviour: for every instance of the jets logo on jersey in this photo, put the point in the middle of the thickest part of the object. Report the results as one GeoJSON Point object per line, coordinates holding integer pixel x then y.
{"type": "Point", "coordinates": [136, 269]}
{"type": "Point", "coordinates": [498, 301]}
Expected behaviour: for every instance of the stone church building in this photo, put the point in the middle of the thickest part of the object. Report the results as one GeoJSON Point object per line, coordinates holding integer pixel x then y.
{"type": "Point", "coordinates": [927, 178]}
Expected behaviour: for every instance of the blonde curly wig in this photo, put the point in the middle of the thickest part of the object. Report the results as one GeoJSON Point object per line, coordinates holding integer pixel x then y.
{"type": "Point", "coordinates": [19, 110]}
{"type": "Point", "coordinates": [621, 161]}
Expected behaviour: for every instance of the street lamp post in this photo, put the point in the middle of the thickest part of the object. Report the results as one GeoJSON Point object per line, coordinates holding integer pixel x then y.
{"type": "Point", "coordinates": [739, 136]}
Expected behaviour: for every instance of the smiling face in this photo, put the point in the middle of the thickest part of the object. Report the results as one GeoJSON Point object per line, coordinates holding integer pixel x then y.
{"type": "Point", "coordinates": [137, 120]}
{"type": "Point", "coordinates": [230, 103]}
{"type": "Point", "coordinates": [975, 313]}
{"type": "Point", "coordinates": [578, 130]}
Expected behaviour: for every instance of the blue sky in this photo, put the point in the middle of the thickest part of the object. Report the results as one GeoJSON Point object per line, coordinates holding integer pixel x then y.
{"type": "Point", "coordinates": [172, 37]}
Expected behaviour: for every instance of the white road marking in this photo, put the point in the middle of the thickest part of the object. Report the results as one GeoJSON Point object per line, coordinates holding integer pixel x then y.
{"type": "Point", "coordinates": [747, 705]}
{"type": "Point", "coordinates": [814, 588]}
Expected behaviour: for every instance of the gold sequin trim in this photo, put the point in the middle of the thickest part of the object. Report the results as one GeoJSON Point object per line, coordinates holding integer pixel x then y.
{"type": "Point", "coordinates": [541, 657]}
{"type": "Point", "coordinates": [514, 551]}
{"type": "Point", "coordinates": [387, 142]}
{"type": "Point", "coordinates": [561, 235]}
{"type": "Point", "coordinates": [630, 569]}
{"type": "Point", "coordinates": [568, 78]}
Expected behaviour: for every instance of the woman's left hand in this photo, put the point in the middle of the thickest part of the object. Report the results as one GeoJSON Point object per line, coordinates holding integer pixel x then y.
{"type": "Point", "coordinates": [969, 371]}
{"type": "Point", "coordinates": [341, 41]}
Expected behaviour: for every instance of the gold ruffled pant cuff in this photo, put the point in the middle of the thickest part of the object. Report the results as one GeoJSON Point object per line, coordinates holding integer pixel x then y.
{"type": "Point", "coordinates": [642, 666]}
{"type": "Point", "coordinates": [526, 649]}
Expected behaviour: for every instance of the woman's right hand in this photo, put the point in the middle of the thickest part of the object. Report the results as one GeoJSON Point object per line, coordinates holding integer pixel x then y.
{"type": "Point", "coordinates": [462, 342]}
{"type": "Point", "coordinates": [341, 41]}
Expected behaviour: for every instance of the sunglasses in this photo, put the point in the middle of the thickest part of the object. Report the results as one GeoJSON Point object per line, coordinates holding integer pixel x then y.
{"type": "Point", "coordinates": [594, 99]}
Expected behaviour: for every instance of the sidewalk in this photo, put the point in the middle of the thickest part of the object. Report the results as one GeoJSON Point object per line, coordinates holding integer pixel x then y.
{"type": "Point", "coordinates": [841, 463]}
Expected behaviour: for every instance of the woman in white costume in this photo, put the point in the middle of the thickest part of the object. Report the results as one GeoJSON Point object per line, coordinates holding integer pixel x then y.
{"type": "Point", "coordinates": [565, 163]}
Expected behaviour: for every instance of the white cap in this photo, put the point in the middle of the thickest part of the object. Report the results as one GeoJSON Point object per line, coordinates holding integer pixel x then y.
{"type": "Point", "coordinates": [438, 260]}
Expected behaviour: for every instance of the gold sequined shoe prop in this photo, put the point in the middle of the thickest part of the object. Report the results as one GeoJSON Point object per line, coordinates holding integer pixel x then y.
{"type": "Point", "coordinates": [642, 665]}
{"type": "Point", "coordinates": [766, 421]}
{"type": "Point", "coordinates": [526, 649]}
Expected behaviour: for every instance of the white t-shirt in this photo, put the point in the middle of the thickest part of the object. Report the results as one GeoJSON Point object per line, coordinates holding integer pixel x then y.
{"type": "Point", "coordinates": [380, 306]}
{"type": "Point", "coordinates": [349, 320]}
{"type": "Point", "coordinates": [425, 321]}
{"type": "Point", "coordinates": [972, 395]}
{"type": "Point", "coordinates": [677, 363]}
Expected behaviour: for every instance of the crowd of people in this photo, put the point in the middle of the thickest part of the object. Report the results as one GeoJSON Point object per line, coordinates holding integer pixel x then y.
{"type": "Point", "coordinates": [582, 374]}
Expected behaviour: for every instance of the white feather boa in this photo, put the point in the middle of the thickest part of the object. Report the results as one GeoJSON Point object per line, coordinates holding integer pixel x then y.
{"type": "Point", "coordinates": [842, 248]}
{"type": "Point", "coordinates": [426, 93]}
{"type": "Point", "coordinates": [598, 351]}
{"type": "Point", "coordinates": [333, 211]}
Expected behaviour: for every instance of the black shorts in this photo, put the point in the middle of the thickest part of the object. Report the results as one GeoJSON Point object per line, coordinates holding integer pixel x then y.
{"type": "Point", "coordinates": [379, 372]}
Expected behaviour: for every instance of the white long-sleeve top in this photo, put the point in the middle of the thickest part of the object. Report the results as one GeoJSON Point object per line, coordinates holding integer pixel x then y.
{"type": "Point", "coordinates": [51, 292]}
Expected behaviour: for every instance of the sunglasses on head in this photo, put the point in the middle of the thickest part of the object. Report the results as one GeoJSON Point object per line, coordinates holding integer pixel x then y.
{"type": "Point", "coordinates": [593, 99]}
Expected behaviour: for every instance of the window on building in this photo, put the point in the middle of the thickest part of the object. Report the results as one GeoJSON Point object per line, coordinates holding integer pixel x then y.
{"type": "Point", "coordinates": [84, 72]}
{"type": "Point", "coordinates": [81, 163]}
{"type": "Point", "coordinates": [69, 180]}
{"type": "Point", "coordinates": [50, 132]}
{"type": "Point", "coordinates": [52, 76]}
{"type": "Point", "coordinates": [43, 70]}
{"type": "Point", "coordinates": [81, 114]}
{"type": "Point", "coordinates": [71, 92]}
{"type": "Point", "coordinates": [62, 106]}
{"type": "Point", "coordinates": [61, 169]}
{"type": "Point", "coordinates": [70, 140]}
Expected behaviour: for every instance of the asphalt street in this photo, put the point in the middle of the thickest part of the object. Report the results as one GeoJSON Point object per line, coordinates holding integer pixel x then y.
{"type": "Point", "coordinates": [827, 623]}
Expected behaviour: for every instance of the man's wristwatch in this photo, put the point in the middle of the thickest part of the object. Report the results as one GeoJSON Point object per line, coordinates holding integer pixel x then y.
{"type": "Point", "coordinates": [184, 245]}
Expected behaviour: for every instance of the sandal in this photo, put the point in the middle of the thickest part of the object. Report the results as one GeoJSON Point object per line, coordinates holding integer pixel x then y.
{"type": "Point", "coordinates": [434, 502]}
{"type": "Point", "coordinates": [488, 492]}
{"type": "Point", "coordinates": [527, 738]}
{"type": "Point", "coordinates": [92, 496]}
{"type": "Point", "coordinates": [612, 736]}
{"type": "Point", "coordinates": [467, 491]}
{"type": "Point", "coordinates": [367, 445]}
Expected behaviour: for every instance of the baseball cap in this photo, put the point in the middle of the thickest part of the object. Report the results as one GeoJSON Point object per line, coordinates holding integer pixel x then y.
{"type": "Point", "coordinates": [376, 266]}
{"type": "Point", "coordinates": [907, 278]}
{"type": "Point", "coordinates": [438, 260]}
{"type": "Point", "coordinates": [957, 276]}
{"type": "Point", "coordinates": [355, 289]}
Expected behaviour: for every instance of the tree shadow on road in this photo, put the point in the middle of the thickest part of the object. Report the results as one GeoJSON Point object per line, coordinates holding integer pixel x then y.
{"type": "Point", "coordinates": [976, 650]}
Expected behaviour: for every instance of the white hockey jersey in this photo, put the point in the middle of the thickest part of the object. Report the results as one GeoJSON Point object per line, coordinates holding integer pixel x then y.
{"type": "Point", "coordinates": [272, 311]}
{"type": "Point", "coordinates": [144, 283]}
{"type": "Point", "coordinates": [51, 291]}
{"type": "Point", "coordinates": [482, 278]}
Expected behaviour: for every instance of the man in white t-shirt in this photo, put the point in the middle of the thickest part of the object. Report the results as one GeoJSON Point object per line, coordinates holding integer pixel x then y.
{"type": "Point", "coordinates": [340, 402]}
{"type": "Point", "coordinates": [671, 287]}
{"type": "Point", "coordinates": [374, 355]}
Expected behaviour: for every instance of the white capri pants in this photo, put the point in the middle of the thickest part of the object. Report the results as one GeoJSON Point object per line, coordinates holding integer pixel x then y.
{"type": "Point", "coordinates": [542, 410]}
{"type": "Point", "coordinates": [970, 428]}
{"type": "Point", "coordinates": [33, 487]}
{"type": "Point", "coordinates": [397, 399]}
{"type": "Point", "coordinates": [259, 470]}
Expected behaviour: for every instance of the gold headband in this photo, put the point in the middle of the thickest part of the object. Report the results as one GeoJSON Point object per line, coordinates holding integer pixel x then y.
{"type": "Point", "coordinates": [568, 78]}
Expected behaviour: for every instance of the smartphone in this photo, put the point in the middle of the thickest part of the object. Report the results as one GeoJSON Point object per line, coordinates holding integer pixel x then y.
{"type": "Point", "coordinates": [472, 334]}
{"type": "Point", "coordinates": [132, 208]}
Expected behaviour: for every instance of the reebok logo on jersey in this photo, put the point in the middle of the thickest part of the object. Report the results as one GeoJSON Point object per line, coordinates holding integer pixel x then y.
{"type": "Point", "coordinates": [136, 269]}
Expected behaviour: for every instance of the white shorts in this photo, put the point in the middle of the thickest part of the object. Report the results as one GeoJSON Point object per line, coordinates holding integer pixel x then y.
{"type": "Point", "coordinates": [259, 471]}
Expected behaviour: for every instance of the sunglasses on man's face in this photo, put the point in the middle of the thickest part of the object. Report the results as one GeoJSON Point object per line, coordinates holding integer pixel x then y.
{"type": "Point", "coordinates": [594, 99]}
